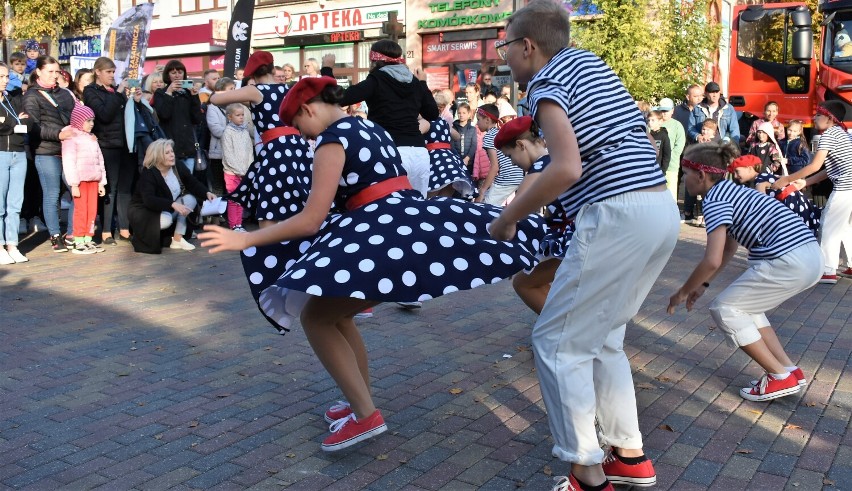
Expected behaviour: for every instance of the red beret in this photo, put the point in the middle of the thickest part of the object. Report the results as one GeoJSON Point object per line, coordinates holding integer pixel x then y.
{"type": "Point", "coordinates": [257, 60]}
{"type": "Point", "coordinates": [304, 90]}
{"type": "Point", "coordinates": [744, 161]}
{"type": "Point", "coordinates": [512, 130]}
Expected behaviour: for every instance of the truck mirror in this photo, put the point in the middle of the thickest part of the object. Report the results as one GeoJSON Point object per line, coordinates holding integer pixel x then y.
{"type": "Point", "coordinates": [753, 13]}
{"type": "Point", "coordinates": [803, 39]}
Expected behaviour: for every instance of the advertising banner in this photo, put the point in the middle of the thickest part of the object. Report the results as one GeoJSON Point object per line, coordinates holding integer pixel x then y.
{"type": "Point", "coordinates": [127, 40]}
{"type": "Point", "coordinates": [238, 46]}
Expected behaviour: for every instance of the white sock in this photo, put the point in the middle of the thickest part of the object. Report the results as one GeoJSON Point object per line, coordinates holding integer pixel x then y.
{"type": "Point", "coordinates": [780, 376]}
{"type": "Point", "coordinates": [790, 369]}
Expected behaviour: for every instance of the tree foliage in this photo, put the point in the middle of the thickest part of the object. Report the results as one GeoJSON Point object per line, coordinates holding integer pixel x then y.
{"type": "Point", "coordinates": [38, 18]}
{"type": "Point", "coordinates": [657, 47]}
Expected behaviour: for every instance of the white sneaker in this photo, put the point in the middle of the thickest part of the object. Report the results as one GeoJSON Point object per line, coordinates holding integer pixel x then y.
{"type": "Point", "coordinates": [239, 228]}
{"type": "Point", "coordinates": [36, 225]}
{"type": "Point", "coordinates": [5, 258]}
{"type": "Point", "coordinates": [181, 244]}
{"type": "Point", "coordinates": [16, 255]}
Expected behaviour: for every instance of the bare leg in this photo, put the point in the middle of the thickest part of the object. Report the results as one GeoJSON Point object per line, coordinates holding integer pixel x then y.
{"type": "Point", "coordinates": [533, 288]}
{"type": "Point", "coordinates": [329, 328]}
{"type": "Point", "coordinates": [593, 475]}
{"type": "Point", "coordinates": [774, 344]}
{"type": "Point", "coordinates": [759, 352]}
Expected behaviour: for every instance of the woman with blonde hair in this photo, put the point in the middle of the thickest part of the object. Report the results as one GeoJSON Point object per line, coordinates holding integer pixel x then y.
{"type": "Point", "coordinates": [165, 195]}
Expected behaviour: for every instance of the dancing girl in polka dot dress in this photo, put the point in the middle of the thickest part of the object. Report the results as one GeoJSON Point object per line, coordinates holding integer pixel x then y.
{"type": "Point", "coordinates": [519, 139]}
{"type": "Point", "coordinates": [277, 183]}
{"type": "Point", "coordinates": [448, 175]}
{"type": "Point", "coordinates": [388, 245]}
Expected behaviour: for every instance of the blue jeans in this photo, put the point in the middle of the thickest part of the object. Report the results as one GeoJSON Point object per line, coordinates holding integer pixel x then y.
{"type": "Point", "coordinates": [49, 169]}
{"type": "Point", "coordinates": [13, 173]}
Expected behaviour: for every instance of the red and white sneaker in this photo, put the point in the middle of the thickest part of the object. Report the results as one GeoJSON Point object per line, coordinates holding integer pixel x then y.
{"type": "Point", "coordinates": [569, 483]}
{"type": "Point", "coordinates": [828, 279]}
{"type": "Point", "coordinates": [769, 388]}
{"type": "Point", "coordinates": [364, 314]}
{"type": "Point", "coordinates": [847, 273]}
{"type": "Point", "coordinates": [640, 475]}
{"type": "Point", "coordinates": [339, 410]}
{"type": "Point", "coordinates": [798, 373]}
{"type": "Point", "coordinates": [349, 431]}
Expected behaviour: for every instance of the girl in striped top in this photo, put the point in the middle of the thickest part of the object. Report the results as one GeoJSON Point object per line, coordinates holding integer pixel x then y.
{"type": "Point", "coordinates": [603, 170]}
{"type": "Point", "coordinates": [835, 151]}
{"type": "Point", "coordinates": [503, 178]}
{"type": "Point", "coordinates": [783, 257]}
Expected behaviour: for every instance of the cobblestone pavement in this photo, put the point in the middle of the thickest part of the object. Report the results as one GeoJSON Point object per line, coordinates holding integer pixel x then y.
{"type": "Point", "coordinates": [123, 370]}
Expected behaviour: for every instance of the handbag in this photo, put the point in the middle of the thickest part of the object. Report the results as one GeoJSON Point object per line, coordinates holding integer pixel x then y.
{"type": "Point", "coordinates": [200, 155]}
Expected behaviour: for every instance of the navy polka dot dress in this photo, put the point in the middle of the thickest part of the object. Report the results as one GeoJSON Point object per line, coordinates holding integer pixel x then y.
{"type": "Point", "coordinates": [797, 202]}
{"type": "Point", "coordinates": [447, 168]}
{"type": "Point", "coordinates": [397, 248]}
{"type": "Point", "coordinates": [277, 183]}
{"type": "Point", "coordinates": [560, 228]}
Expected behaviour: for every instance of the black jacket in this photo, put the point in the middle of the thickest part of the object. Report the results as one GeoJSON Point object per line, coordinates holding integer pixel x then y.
{"type": "Point", "coordinates": [179, 113]}
{"type": "Point", "coordinates": [152, 197]}
{"type": "Point", "coordinates": [47, 119]}
{"type": "Point", "coordinates": [9, 140]}
{"type": "Point", "coordinates": [109, 115]}
{"type": "Point", "coordinates": [664, 148]}
{"type": "Point", "coordinates": [466, 146]}
{"type": "Point", "coordinates": [394, 105]}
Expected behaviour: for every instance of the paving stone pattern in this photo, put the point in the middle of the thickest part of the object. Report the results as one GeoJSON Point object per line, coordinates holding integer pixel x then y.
{"type": "Point", "coordinates": [130, 371]}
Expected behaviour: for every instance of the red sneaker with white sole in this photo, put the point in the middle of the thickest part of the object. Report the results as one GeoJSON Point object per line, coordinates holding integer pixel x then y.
{"type": "Point", "coordinates": [769, 388]}
{"type": "Point", "coordinates": [339, 410]}
{"type": "Point", "coordinates": [798, 373]}
{"type": "Point", "coordinates": [640, 475]}
{"type": "Point", "coordinates": [846, 273]}
{"type": "Point", "coordinates": [828, 279]}
{"type": "Point", "coordinates": [349, 431]}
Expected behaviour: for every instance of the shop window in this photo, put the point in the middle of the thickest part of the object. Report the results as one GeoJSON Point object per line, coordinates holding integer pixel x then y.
{"type": "Point", "coordinates": [191, 6]}
{"type": "Point", "coordinates": [287, 55]}
{"type": "Point", "coordinates": [264, 3]}
{"type": "Point", "coordinates": [364, 52]}
{"type": "Point", "coordinates": [343, 53]}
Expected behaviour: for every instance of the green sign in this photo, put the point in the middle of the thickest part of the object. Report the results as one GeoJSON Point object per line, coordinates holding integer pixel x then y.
{"type": "Point", "coordinates": [376, 16]}
{"type": "Point", "coordinates": [457, 20]}
{"type": "Point", "coordinates": [462, 5]}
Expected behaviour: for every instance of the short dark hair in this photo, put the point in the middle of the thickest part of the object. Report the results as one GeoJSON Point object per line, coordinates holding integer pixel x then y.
{"type": "Point", "coordinates": [17, 56]}
{"type": "Point", "coordinates": [172, 65]}
{"type": "Point", "coordinates": [389, 48]}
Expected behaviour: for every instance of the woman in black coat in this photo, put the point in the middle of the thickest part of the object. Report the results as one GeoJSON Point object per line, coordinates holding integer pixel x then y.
{"type": "Point", "coordinates": [165, 195]}
{"type": "Point", "coordinates": [179, 111]}
{"type": "Point", "coordinates": [108, 103]}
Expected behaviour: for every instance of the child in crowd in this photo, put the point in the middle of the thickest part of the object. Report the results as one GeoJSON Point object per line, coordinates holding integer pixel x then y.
{"type": "Point", "coordinates": [17, 64]}
{"type": "Point", "coordinates": [661, 139]}
{"type": "Point", "coordinates": [237, 156]}
{"type": "Point", "coordinates": [710, 130]}
{"type": "Point", "coordinates": [33, 51]}
{"type": "Point", "coordinates": [770, 116]}
{"type": "Point", "coordinates": [503, 178]}
{"type": "Point", "coordinates": [521, 141]}
{"type": "Point", "coordinates": [784, 260]}
{"type": "Point", "coordinates": [765, 147]}
{"type": "Point", "coordinates": [603, 170]}
{"type": "Point", "coordinates": [465, 146]}
{"type": "Point", "coordinates": [795, 147]}
{"type": "Point", "coordinates": [447, 174]}
{"type": "Point", "coordinates": [749, 168]}
{"type": "Point", "coordinates": [84, 171]}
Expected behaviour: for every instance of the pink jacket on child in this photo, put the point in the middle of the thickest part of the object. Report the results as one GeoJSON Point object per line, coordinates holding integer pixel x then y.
{"type": "Point", "coordinates": [82, 159]}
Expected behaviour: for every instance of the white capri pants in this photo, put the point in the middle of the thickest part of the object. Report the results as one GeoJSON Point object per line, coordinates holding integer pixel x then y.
{"type": "Point", "coordinates": [416, 162]}
{"type": "Point", "coordinates": [740, 309]}
{"type": "Point", "coordinates": [498, 194]}
{"type": "Point", "coordinates": [619, 248]}
{"type": "Point", "coordinates": [836, 228]}
{"type": "Point", "coordinates": [166, 218]}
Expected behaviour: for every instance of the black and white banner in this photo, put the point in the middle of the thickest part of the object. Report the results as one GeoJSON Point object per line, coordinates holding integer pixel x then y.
{"type": "Point", "coordinates": [238, 47]}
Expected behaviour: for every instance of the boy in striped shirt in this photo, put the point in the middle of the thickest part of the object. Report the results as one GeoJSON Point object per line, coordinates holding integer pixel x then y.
{"type": "Point", "coordinates": [783, 256]}
{"type": "Point", "coordinates": [603, 170]}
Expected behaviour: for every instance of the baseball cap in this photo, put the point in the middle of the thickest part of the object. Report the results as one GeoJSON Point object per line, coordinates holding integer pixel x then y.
{"type": "Point", "coordinates": [712, 87]}
{"type": "Point", "coordinates": [666, 104]}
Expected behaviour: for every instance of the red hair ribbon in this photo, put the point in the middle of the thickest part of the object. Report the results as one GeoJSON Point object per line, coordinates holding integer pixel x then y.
{"type": "Point", "coordinates": [483, 112]}
{"type": "Point", "coordinates": [376, 56]}
{"type": "Point", "coordinates": [825, 112]}
{"type": "Point", "coordinates": [689, 164]}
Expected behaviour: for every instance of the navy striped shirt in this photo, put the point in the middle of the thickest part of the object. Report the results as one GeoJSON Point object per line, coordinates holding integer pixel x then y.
{"type": "Point", "coordinates": [761, 224]}
{"type": "Point", "coordinates": [616, 154]}
{"type": "Point", "coordinates": [555, 216]}
{"type": "Point", "coordinates": [508, 173]}
{"type": "Point", "coordinates": [838, 163]}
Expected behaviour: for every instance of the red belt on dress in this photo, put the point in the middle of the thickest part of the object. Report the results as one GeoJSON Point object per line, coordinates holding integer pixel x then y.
{"type": "Point", "coordinates": [378, 191]}
{"type": "Point", "coordinates": [438, 146]}
{"type": "Point", "coordinates": [787, 191]}
{"type": "Point", "coordinates": [279, 131]}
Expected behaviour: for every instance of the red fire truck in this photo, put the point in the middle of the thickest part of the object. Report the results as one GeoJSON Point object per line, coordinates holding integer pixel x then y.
{"type": "Point", "coordinates": [772, 59]}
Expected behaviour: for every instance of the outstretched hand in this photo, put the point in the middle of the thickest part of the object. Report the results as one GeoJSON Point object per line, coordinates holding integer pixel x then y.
{"type": "Point", "coordinates": [682, 296]}
{"type": "Point", "coordinates": [220, 239]}
{"type": "Point", "coordinates": [501, 229]}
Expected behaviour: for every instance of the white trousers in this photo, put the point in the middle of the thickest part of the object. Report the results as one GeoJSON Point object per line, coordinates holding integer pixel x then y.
{"type": "Point", "coordinates": [836, 228]}
{"type": "Point", "coordinates": [415, 161]}
{"type": "Point", "coordinates": [740, 309]}
{"type": "Point", "coordinates": [619, 248]}
{"type": "Point", "coordinates": [498, 194]}
{"type": "Point", "coordinates": [168, 217]}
